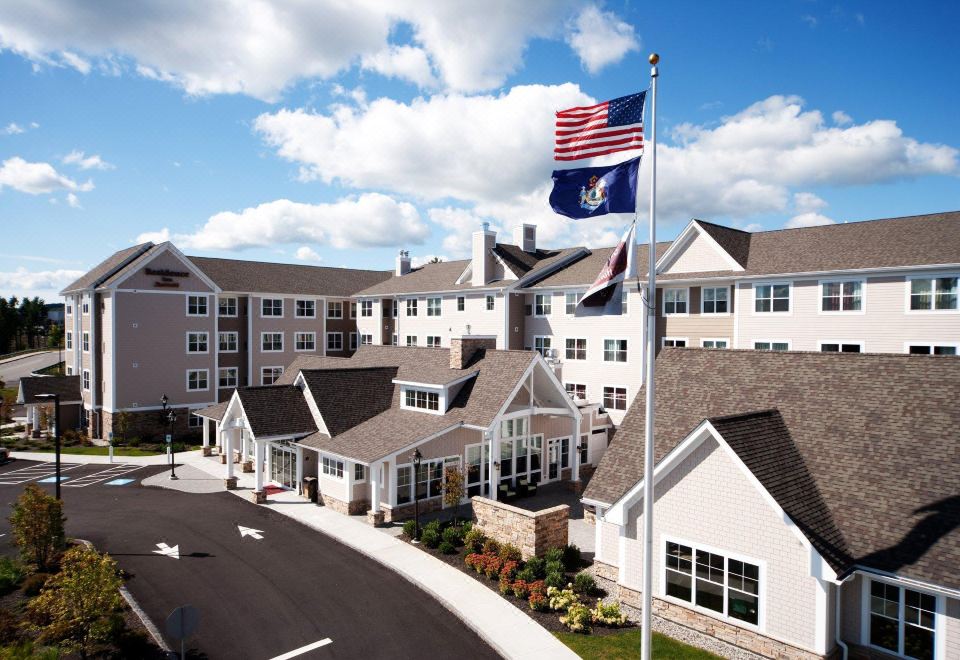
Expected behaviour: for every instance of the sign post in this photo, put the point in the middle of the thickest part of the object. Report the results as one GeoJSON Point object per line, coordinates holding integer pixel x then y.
{"type": "Point", "coordinates": [182, 623]}
{"type": "Point", "coordinates": [110, 445]}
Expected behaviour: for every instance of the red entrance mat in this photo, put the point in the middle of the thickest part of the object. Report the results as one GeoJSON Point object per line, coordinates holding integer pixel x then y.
{"type": "Point", "coordinates": [272, 490]}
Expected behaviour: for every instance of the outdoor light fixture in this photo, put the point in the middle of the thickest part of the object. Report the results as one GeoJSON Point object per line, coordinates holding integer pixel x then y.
{"type": "Point", "coordinates": [56, 435]}
{"type": "Point", "coordinates": [417, 459]}
{"type": "Point", "coordinates": [171, 417]}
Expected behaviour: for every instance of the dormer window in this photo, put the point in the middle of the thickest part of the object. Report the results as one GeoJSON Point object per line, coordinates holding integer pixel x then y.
{"type": "Point", "coordinates": [422, 399]}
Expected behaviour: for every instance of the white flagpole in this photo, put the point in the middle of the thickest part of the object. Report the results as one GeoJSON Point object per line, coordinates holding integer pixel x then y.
{"type": "Point", "coordinates": [645, 632]}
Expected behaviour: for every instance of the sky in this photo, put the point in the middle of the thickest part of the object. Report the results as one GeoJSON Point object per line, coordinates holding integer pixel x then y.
{"type": "Point", "coordinates": [337, 132]}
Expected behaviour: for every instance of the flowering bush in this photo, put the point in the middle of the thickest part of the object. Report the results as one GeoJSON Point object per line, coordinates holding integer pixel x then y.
{"type": "Point", "coordinates": [562, 600]}
{"type": "Point", "coordinates": [577, 618]}
{"type": "Point", "coordinates": [608, 615]}
{"type": "Point", "coordinates": [509, 570]}
{"type": "Point", "coordinates": [521, 589]}
{"type": "Point", "coordinates": [506, 586]}
{"type": "Point", "coordinates": [539, 602]}
{"type": "Point", "coordinates": [473, 561]}
{"type": "Point", "coordinates": [492, 565]}
{"type": "Point", "coordinates": [510, 552]}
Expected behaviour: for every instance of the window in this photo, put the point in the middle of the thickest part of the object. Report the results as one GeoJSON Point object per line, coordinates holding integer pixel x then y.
{"type": "Point", "coordinates": [412, 307]}
{"type": "Point", "coordinates": [353, 310]}
{"type": "Point", "coordinates": [197, 342]}
{"type": "Point", "coordinates": [716, 300]}
{"type": "Point", "coordinates": [433, 341]}
{"type": "Point", "coordinates": [366, 308]}
{"type": "Point", "coordinates": [625, 301]}
{"type": "Point", "coordinates": [727, 586]}
{"type": "Point", "coordinates": [614, 350]}
{"type": "Point", "coordinates": [196, 306]}
{"type": "Point", "coordinates": [85, 338]}
{"type": "Point", "coordinates": [714, 343]}
{"type": "Point", "coordinates": [542, 345]}
{"type": "Point", "coordinates": [395, 308]}
{"type": "Point", "coordinates": [421, 399]}
{"type": "Point", "coordinates": [354, 341]}
{"type": "Point", "coordinates": [461, 303]}
{"type": "Point", "coordinates": [227, 377]}
{"type": "Point", "coordinates": [334, 310]}
{"type": "Point", "coordinates": [306, 309]}
{"type": "Point", "coordinates": [542, 304]}
{"type": "Point", "coordinates": [68, 341]}
{"type": "Point", "coordinates": [228, 342]}
{"type": "Point", "coordinates": [933, 294]}
{"type": "Point", "coordinates": [490, 303]}
{"type": "Point", "coordinates": [271, 307]}
{"type": "Point", "coordinates": [332, 467]}
{"type": "Point", "coordinates": [359, 472]}
{"type": "Point", "coordinates": [771, 298]}
{"type": "Point", "coordinates": [433, 306]}
{"type": "Point", "coordinates": [570, 301]}
{"type": "Point", "coordinates": [227, 307]}
{"type": "Point", "coordinates": [271, 342]}
{"type": "Point", "coordinates": [841, 296]}
{"type": "Point", "coordinates": [366, 340]}
{"type": "Point", "coordinates": [69, 310]}
{"type": "Point", "coordinates": [840, 347]}
{"type": "Point", "coordinates": [197, 380]}
{"type": "Point", "coordinates": [269, 375]}
{"type": "Point", "coordinates": [615, 398]}
{"type": "Point", "coordinates": [576, 348]}
{"type": "Point", "coordinates": [902, 620]}
{"type": "Point", "coordinates": [932, 349]}
{"type": "Point", "coordinates": [305, 341]}
{"type": "Point", "coordinates": [194, 422]}
{"type": "Point", "coordinates": [86, 379]}
{"type": "Point", "coordinates": [404, 484]}
{"type": "Point", "coordinates": [411, 340]}
{"type": "Point", "coordinates": [576, 390]}
{"type": "Point", "coordinates": [334, 341]}
{"type": "Point", "coordinates": [395, 339]}
{"type": "Point", "coordinates": [675, 301]}
{"type": "Point", "coordinates": [86, 307]}
{"type": "Point", "coordinates": [675, 342]}
{"type": "Point", "coordinates": [69, 370]}
{"type": "Point", "coordinates": [771, 345]}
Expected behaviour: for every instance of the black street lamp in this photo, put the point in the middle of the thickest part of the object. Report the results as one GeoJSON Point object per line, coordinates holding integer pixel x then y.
{"type": "Point", "coordinates": [171, 417]}
{"type": "Point", "coordinates": [56, 435]}
{"type": "Point", "coordinates": [417, 458]}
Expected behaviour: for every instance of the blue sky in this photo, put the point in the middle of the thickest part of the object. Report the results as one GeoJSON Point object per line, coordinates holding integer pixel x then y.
{"type": "Point", "coordinates": [336, 133]}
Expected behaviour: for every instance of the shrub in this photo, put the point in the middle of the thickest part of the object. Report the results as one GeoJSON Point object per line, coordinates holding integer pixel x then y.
{"type": "Point", "coordinates": [491, 547]}
{"type": "Point", "coordinates": [538, 597]}
{"type": "Point", "coordinates": [9, 626]}
{"type": "Point", "coordinates": [538, 566]}
{"type": "Point", "coordinates": [526, 574]}
{"type": "Point", "coordinates": [553, 554]}
{"type": "Point", "coordinates": [509, 570]}
{"type": "Point", "coordinates": [608, 615]}
{"type": "Point", "coordinates": [433, 525]}
{"type": "Point", "coordinates": [430, 538]}
{"type": "Point", "coordinates": [474, 540]}
{"type": "Point", "coordinates": [577, 618]}
{"type": "Point", "coordinates": [554, 567]}
{"type": "Point", "coordinates": [467, 526]}
{"type": "Point", "coordinates": [506, 586]}
{"type": "Point", "coordinates": [474, 561]}
{"type": "Point", "coordinates": [572, 558]}
{"type": "Point", "coordinates": [583, 583]}
{"type": "Point", "coordinates": [448, 548]}
{"type": "Point", "coordinates": [510, 552]}
{"type": "Point", "coordinates": [555, 580]}
{"type": "Point", "coordinates": [132, 442]}
{"type": "Point", "coordinates": [492, 566]}
{"type": "Point", "coordinates": [410, 528]}
{"type": "Point", "coordinates": [34, 584]}
{"type": "Point", "coordinates": [453, 535]}
{"type": "Point", "coordinates": [11, 572]}
{"type": "Point", "coordinates": [521, 589]}
{"type": "Point", "coordinates": [37, 523]}
{"type": "Point", "coordinates": [561, 599]}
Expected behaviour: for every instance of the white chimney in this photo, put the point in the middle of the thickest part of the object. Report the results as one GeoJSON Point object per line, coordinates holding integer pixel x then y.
{"type": "Point", "coordinates": [403, 263]}
{"type": "Point", "coordinates": [482, 255]}
{"type": "Point", "coordinates": [526, 237]}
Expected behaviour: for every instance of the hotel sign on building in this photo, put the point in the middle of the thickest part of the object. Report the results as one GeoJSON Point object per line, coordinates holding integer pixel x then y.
{"type": "Point", "coordinates": [167, 277]}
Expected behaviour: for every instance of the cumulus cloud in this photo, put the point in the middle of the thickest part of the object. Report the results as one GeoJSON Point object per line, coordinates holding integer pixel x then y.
{"type": "Point", "coordinates": [73, 201]}
{"type": "Point", "coordinates": [305, 253]}
{"type": "Point", "coordinates": [841, 118]}
{"type": "Point", "coordinates": [370, 220]}
{"type": "Point", "coordinates": [37, 178]}
{"type": "Point", "coordinates": [807, 207]}
{"type": "Point", "coordinates": [404, 62]}
{"type": "Point", "coordinates": [44, 283]}
{"type": "Point", "coordinates": [600, 38]}
{"type": "Point", "coordinates": [85, 162]}
{"type": "Point", "coordinates": [418, 261]}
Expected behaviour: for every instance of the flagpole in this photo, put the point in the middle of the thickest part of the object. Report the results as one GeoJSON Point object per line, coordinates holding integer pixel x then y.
{"type": "Point", "coordinates": [645, 631]}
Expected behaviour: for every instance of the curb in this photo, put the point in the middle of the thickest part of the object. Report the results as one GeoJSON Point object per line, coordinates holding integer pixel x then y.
{"type": "Point", "coordinates": [21, 357]}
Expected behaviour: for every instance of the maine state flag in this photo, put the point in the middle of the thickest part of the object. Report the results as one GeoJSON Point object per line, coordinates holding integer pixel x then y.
{"type": "Point", "coordinates": [586, 192]}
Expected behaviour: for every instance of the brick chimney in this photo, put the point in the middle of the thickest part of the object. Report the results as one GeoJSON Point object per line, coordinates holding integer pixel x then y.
{"type": "Point", "coordinates": [462, 349]}
{"type": "Point", "coordinates": [403, 263]}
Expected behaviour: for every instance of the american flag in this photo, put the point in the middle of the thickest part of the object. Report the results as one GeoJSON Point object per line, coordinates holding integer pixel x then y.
{"type": "Point", "coordinates": [597, 130]}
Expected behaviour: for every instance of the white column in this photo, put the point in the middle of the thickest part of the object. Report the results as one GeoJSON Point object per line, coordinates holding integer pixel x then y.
{"type": "Point", "coordinates": [348, 468]}
{"type": "Point", "coordinates": [258, 467]}
{"type": "Point", "coordinates": [574, 454]}
{"type": "Point", "coordinates": [206, 432]}
{"type": "Point", "coordinates": [245, 447]}
{"type": "Point", "coordinates": [36, 417]}
{"type": "Point", "coordinates": [392, 493]}
{"type": "Point", "coordinates": [230, 436]}
{"type": "Point", "coordinates": [218, 434]}
{"type": "Point", "coordinates": [494, 478]}
{"type": "Point", "coordinates": [299, 451]}
{"type": "Point", "coordinates": [375, 486]}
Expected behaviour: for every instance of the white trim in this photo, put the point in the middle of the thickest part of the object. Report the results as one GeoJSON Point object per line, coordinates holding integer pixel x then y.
{"type": "Point", "coordinates": [274, 367]}
{"type": "Point", "coordinates": [603, 348]}
{"type": "Point", "coordinates": [928, 276]}
{"type": "Point", "coordinates": [586, 349]}
{"type": "Point", "coordinates": [546, 348]}
{"type": "Point", "coordinates": [736, 315]}
{"type": "Point", "coordinates": [206, 341]}
{"type": "Point", "coordinates": [149, 254]}
{"type": "Point", "coordinates": [663, 301]}
{"type": "Point", "coordinates": [327, 343]}
{"type": "Point", "coordinates": [729, 311]}
{"type": "Point", "coordinates": [771, 284]}
{"type": "Point", "coordinates": [548, 299]}
{"type": "Point", "coordinates": [685, 340]}
{"type": "Point", "coordinates": [440, 307]}
{"type": "Point", "coordinates": [312, 334]}
{"type": "Point", "coordinates": [413, 383]}
{"type": "Point", "coordinates": [716, 339]}
{"type": "Point", "coordinates": [272, 332]}
{"type": "Point", "coordinates": [841, 311]}
{"type": "Point", "coordinates": [236, 341]}
{"type": "Point", "coordinates": [326, 310]}
{"type": "Point", "coordinates": [113, 350]}
{"type": "Point", "coordinates": [840, 343]}
{"type": "Point", "coordinates": [186, 300]}
{"type": "Point", "coordinates": [299, 316]}
{"type": "Point", "coordinates": [197, 389]}
{"type": "Point", "coordinates": [250, 346]}
{"type": "Point", "coordinates": [788, 342]}
{"type": "Point", "coordinates": [939, 619]}
{"type": "Point", "coordinates": [236, 307]}
{"type": "Point", "coordinates": [301, 382]}
{"type": "Point", "coordinates": [931, 344]}
{"type": "Point", "coordinates": [283, 310]}
{"type": "Point", "coordinates": [626, 401]}
{"type": "Point", "coordinates": [685, 238]}
{"type": "Point", "coordinates": [236, 377]}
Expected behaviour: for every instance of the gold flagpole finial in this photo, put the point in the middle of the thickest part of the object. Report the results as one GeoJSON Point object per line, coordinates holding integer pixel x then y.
{"type": "Point", "coordinates": [654, 59]}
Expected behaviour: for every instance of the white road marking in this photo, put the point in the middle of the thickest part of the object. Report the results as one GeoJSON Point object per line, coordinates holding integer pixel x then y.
{"type": "Point", "coordinates": [103, 475]}
{"type": "Point", "coordinates": [40, 471]}
{"type": "Point", "coordinates": [303, 649]}
{"type": "Point", "coordinates": [250, 531]}
{"type": "Point", "coordinates": [167, 551]}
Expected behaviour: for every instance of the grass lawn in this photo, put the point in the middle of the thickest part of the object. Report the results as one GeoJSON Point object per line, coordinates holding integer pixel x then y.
{"type": "Point", "coordinates": [102, 451]}
{"type": "Point", "coordinates": [627, 645]}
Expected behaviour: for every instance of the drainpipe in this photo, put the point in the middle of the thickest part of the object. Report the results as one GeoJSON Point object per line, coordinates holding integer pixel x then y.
{"type": "Point", "coordinates": [836, 615]}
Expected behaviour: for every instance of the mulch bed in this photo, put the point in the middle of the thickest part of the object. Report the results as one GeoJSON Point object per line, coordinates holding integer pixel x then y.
{"type": "Point", "coordinates": [548, 620]}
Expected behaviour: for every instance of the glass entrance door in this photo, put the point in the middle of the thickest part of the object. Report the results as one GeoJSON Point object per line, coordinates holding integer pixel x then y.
{"type": "Point", "coordinates": [553, 460]}
{"type": "Point", "coordinates": [283, 466]}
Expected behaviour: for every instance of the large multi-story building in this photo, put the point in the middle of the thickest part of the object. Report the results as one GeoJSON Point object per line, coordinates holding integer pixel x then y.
{"type": "Point", "coordinates": [149, 321]}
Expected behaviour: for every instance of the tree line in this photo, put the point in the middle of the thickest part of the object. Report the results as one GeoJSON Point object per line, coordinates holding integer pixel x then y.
{"type": "Point", "coordinates": [24, 325]}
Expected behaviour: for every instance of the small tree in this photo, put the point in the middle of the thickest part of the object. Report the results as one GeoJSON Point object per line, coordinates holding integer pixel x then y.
{"type": "Point", "coordinates": [38, 526]}
{"type": "Point", "coordinates": [453, 490]}
{"type": "Point", "coordinates": [78, 607]}
{"type": "Point", "coordinates": [121, 422]}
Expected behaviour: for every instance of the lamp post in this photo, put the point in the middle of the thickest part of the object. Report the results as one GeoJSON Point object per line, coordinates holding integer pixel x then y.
{"type": "Point", "coordinates": [171, 417]}
{"type": "Point", "coordinates": [417, 459]}
{"type": "Point", "coordinates": [56, 435]}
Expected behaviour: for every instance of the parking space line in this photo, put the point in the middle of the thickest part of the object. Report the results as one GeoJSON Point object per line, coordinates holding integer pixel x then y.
{"type": "Point", "coordinates": [33, 472]}
{"type": "Point", "coordinates": [103, 475]}
{"type": "Point", "coordinates": [303, 649]}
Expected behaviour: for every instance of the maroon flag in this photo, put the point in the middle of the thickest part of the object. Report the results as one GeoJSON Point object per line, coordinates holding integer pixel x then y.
{"type": "Point", "coordinates": [619, 267]}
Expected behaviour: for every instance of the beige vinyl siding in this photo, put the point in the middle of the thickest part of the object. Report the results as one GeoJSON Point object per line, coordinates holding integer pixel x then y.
{"type": "Point", "coordinates": [952, 633]}
{"type": "Point", "coordinates": [699, 256]}
{"type": "Point", "coordinates": [105, 344]}
{"type": "Point", "coordinates": [165, 261]}
{"type": "Point", "coordinates": [372, 325]}
{"type": "Point", "coordinates": [449, 444]}
{"type": "Point", "coordinates": [695, 326]}
{"type": "Point", "coordinates": [451, 323]}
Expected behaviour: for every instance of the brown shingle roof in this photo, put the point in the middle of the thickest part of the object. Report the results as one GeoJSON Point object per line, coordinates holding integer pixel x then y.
{"type": "Point", "coordinates": [239, 275]}
{"type": "Point", "coordinates": [584, 271]}
{"type": "Point", "coordinates": [99, 273]}
{"type": "Point", "coordinates": [215, 412]}
{"type": "Point", "coordinates": [876, 433]}
{"type": "Point", "coordinates": [276, 410]}
{"type": "Point", "coordinates": [348, 397]}
{"type": "Point", "coordinates": [734, 241]}
{"type": "Point", "coordinates": [68, 387]}
{"type": "Point", "coordinates": [419, 364]}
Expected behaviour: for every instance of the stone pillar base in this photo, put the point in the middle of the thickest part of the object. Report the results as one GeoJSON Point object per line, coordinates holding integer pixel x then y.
{"type": "Point", "coordinates": [258, 496]}
{"type": "Point", "coordinates": [575, 486]}
{"type": "Point", "coordinates": [246, 466]}
{"type": "Point", "coordinates": [223, 459]}
{"type": "Point", "coordinates": [230, 483]}
{"type": "Point", "coordinates": [375, 518]}
{"type": "Point", "coordinates": [207, 451]}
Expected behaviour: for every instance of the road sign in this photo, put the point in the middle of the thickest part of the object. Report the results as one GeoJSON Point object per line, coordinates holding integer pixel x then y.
{"type": "Point", "coordinates": [167, 551]}
{"type": "Point", "coordinates": [169, 438]}
{"type": "Point", "coordinates": [250, 531]}
{"type": "Point", "coordinates": [182, 623]}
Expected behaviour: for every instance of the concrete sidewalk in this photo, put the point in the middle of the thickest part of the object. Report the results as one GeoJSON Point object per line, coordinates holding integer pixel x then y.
{"type": "Point", "coordinates": [508, 630]}
{"type": "Point", "coordinates": [160, 459]}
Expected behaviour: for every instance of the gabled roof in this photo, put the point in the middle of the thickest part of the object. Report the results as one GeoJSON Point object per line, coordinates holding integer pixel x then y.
{"type": "Point", "coordinates": [583, 271]}
{"type": "Point", "coordinates": [253, 276]}
{"type": "Point", "coordinates": [214, 412]}
{"type": "Point", "coordinates": [734, 242]}
{"type": "Point", "coordinates": [875, 439]}
{"type": "Point", "coordinates": [68, 387]}
{"type": "Point", "coordinates": [273, 410]}
{"type": "Point", "coordinates": [348, 397]}
{"type": "Point", "coordinates": [99, 273]}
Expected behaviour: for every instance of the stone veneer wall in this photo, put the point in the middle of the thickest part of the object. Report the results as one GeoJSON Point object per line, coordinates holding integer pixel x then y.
{"type": "Point", "coordinates": [534, 532]}
{"type": "Point", "coordinates": [149, 425]}
{"type": "Point", "coordinates": [355, 508]}
{"type": "Point", "coordinates": [406, 511]}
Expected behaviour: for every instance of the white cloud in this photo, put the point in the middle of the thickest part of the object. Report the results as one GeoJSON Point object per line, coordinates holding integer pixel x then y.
{"type": "Point", "coordinates": [404, 62]}
{"type": "Point", "coordinates": [305, 253]}
{"type": "Point", "coordinates": [85, 162]}
{"type": "Point", "coordinates": [808, 220]}
{"type": "Point", "coordinates": [36, 178]}
{"type": "Point", "coordinates": [600, 38]}
{"type": "Point", "coordinates": [73, 201]}
{"type": "Point", "coordinates": [75, 61]}
{"type": "Point", "coordinates": [45, 283]}
{"type": "Point", "coordinates": [370, 220]}
{"type": "Point", "coordinates": [841, 118]}
{"type": "Point", "coordinates": [804, 202]}
{"type": "Point", "coordinates": [161, 236]}
{"type": "Point", "coordinates": [13, 128]}
{"type": "Point", "coordinates": [807, 207]}
{"type": "Point", "coordinates": [418, 261]}
{"type": "Point", "coordinates": [811, 21]}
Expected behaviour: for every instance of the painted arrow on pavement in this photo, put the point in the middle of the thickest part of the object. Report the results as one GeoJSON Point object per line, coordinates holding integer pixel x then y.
{"type": "Point", "coordinates": [167, 551]}
{"type": "Point", "coordinates": [250, 531]}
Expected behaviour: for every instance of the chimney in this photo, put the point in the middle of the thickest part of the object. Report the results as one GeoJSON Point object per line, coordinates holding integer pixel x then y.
{"type": "Point", "coordinates": [526, 237]}
{"type": "Point", "coordinates": [403, 263]}
{"type": "Point", "coordinates": [462, 349]}
{"type": "Point", "coordinates": [483, 243]}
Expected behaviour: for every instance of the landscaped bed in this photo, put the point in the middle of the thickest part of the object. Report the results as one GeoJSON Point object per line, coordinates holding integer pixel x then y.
{"type": "Point", "coordinates": [74, 443]}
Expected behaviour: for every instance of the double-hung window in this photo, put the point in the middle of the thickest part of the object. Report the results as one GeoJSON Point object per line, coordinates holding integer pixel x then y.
{"type": "Point", "coordinates": [542, 304]}
{"type": "Point", "coordinates": [771, 298]}
{"type": "Point", "coordinates": [227, 307]}
{"type": "Point", "coordinates": [576, 348]}
{"type": "Point", "coordinates": [332, 467]}
{"type": "Point", "coordinates": [198, 342]}
{"type": "Point", "coordinates": [542, 345]}
{"type": "Point", "coordinates": [359, 472]}
{"type": "Point", "coordinates": [576, 390]}
{"type": "Point", "coordinates": [490, 303]}
{"type": "Point", "coordinates": [902, 620]}
{"type": "Point", "coordinates": [86, 379]}
{"type": "Point", "coordinates": [433, 306]}
{"type": "Point", "coordinates": [570, 301]}
{"type": "Point", "coordinates": [614, 350]}
{"type": "Point", "coordinates": [767, 345]}
{"type": "Point", "coordinates": [404, 484]}
{"type": "Point", "coordinates": [269, 375]}
{"type": "Point", "coordinates": [715, 300]}
{"type": "Point", "coordinates": [411, 307]}
{"type": "Point", "coordinates": [68, 341]}
{"type": "Point", "coordinates": [933, 294]}
{"type": "Point", "coordinates": [306, 309]}
{"type": "Point", "coordinates": [433, 341]}
{"type": "Point", "coordinates": [228, 377]}
{"type": "Point", "coordinates": [461, 303]}
{"type": "Point", "coordinates": [615, 398]}
{"type": "Point", "coordinates": [354, 341]}
{"type": "Point", "coordinates": [421, 399]}
{"type": "Point", "coordinates": [675, 301]}
{"type": "Point", "coordinates": [366, 340]}
{"type": "Point", "coordinates": [334, 310]}
{"type": "Point", "coordinates": [272, 307]}
{"type": "Point", "coordinates": [227, 342]}
{"type": "Point", "coordinates": [841, 296]}
{"type": "Point", "coordinates": [625, 301]}
{"type": "Point", "coordinates": [305, 341]}
{"type": "Point", "coordinates": [395, 308]}
{"type": "Point", "coordinates": [197, 380]}
{"type": "Point", "coordinates": [411, 340]}
{"type": "Point", "coordinates": [353, 310]}
{"type": "Point", "coordinates": [85, 342]}
{"type": "Point", "coordinates": [366, 309]}
{"type": "Point", "coordinates": [85, 307]}
{"type": "Point", "coordinates": [334, 341]}
{"type": "Point", "coordinates": [730, 587]}
{"type": "Point", "coordinates": [271, 342]}
{"type": "Point", "coordinates": [196, 305]}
